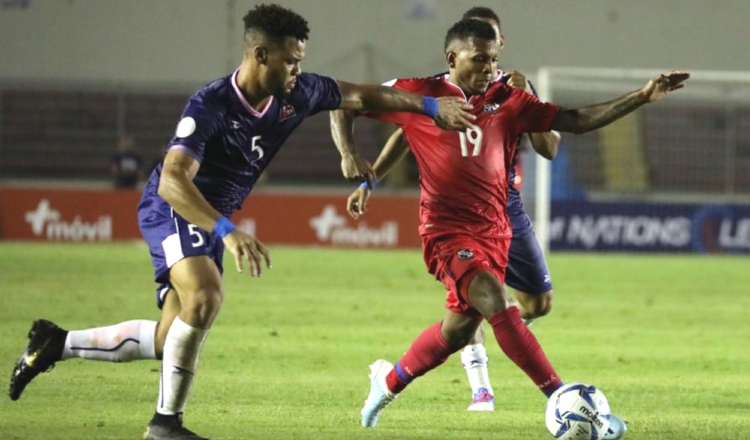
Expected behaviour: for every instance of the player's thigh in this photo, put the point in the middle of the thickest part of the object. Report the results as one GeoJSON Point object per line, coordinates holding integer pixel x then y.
{"type": "Point", "coordinates": [458, 260]}
{"type": "Point", "coordinates": [487, 295]}
{"type": "Point", "coordinates": [458, 328]}
{"type": "Point", "coordinates": [197, 281]}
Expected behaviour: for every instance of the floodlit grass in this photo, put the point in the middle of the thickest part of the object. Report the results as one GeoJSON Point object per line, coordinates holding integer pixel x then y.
{"type": "Point", "coordinates": [666, 338]}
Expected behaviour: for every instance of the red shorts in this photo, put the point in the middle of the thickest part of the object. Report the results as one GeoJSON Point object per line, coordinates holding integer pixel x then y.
{"type": "Point", "coordinates": [455, 260]}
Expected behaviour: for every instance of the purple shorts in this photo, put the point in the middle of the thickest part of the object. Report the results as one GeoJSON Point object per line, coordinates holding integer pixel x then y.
{"type": "Point", "coordinates": [527, 270]}
{"type": "Point", "coordinates": [171, 238]}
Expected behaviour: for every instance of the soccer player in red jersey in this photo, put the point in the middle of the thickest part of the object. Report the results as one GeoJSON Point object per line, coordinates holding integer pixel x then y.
{"type": "Point", "coordinates": [527, 273]}
{"type": "Point", "coordinates": [463, 220]}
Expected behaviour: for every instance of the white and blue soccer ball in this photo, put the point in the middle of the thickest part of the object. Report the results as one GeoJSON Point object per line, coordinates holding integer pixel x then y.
{"type": "Point", "coordinates": [578, 411]}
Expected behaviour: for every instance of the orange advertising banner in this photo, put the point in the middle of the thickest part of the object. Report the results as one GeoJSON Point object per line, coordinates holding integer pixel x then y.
{"type": "Point", "coordinates": [275, 218]}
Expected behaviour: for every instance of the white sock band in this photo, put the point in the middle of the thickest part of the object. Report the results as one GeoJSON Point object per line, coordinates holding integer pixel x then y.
{"type": "Point", "coordinates": [474, 356]}
{"type": "Point", "coordinates": [475, 360]}
{"type": "Point", "coordinates": [181, 349]}
{"type": "Point", "coordinates": [124, 342]}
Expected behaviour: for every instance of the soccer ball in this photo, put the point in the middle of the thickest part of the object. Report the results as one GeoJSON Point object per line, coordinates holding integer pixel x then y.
{"type": "Point", "coordinates": [577, 411]}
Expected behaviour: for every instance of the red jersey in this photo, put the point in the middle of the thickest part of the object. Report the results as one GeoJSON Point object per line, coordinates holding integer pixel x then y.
{"type": "Point", "coordinates": [464, 176]}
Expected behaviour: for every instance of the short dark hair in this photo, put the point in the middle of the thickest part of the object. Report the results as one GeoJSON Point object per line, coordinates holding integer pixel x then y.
{"type": "Point", "coordinates": [276, 22]}
{"type": "Point", "coordinates": [482, 12]}
{"type": "Point", "coordinates": [468, 28]}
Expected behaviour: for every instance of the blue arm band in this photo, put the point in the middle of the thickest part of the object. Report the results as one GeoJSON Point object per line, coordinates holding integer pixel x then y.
{"type": "Point", "coordinates": [430, 106]}
{"type": "Point", "coordinates": [224, 227]}
{"type": "Point", "coordinates": [364, 185]}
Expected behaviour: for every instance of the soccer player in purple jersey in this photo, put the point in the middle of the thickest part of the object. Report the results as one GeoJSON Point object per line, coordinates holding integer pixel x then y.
{"type": "Point", "coordinates": [527, 271]}
{"type": "Point", "coordinates": [229, 132]}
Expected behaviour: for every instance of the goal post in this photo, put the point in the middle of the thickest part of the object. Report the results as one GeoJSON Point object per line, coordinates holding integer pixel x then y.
{"type": "Point", "coordinates": [673, 176]}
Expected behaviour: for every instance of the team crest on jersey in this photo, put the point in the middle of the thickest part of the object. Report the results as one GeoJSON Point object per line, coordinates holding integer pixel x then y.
{"type": "Point", "coordinates": [465, 254]}
{"type": "Point", "coordinates": [491, 107]}
{"type": "Point", "coordinates": [286, 112]}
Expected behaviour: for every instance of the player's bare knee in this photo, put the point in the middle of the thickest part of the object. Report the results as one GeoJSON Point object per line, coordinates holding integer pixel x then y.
{"type": "Point", "coordinates": [541, 306]}
{"type": "Point", "coordinates": [204, 304]}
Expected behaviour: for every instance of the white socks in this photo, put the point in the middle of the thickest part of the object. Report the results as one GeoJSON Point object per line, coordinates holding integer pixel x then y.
{"type": "Point", "coordinates": [181, 350]}
{"type": "Point", "coordinates": [474, 357]}
{"type": "Point", "coordinates": [124, 342]}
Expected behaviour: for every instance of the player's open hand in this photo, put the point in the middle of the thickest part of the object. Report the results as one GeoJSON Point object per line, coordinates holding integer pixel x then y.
{"type": "Point", "coordinates": [357, 169]}
{"type": "Point", "coordinates": [453, 114]}
{"type": "Point", "coordinates": [356, 204]}
{"type": "Point", "coordinates": [518, 80]}
{"type": "Point", "coordinates": [658, 87]}
{"type": "Point", "coordinates": [247, 247]}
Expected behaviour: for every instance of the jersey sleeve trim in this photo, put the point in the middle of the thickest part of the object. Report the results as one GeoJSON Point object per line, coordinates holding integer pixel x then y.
{"type": "Point", "coordinates": [186, 150]}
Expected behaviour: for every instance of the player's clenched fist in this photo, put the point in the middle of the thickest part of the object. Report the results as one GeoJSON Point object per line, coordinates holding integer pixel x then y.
{"type": "Point", "coordinates": [244, 246]}
{"type": "Point", "coordinates": [453, 114]}
{"type": "Point", "coordinates": [354, 167]}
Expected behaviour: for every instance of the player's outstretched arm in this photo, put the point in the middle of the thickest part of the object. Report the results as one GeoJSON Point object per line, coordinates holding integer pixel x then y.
{"type": "Point", "coordinates": [596, 116]}
{"type": "Point", "coordinates": [545, 144]}
{"type": "Point", "coordinates": [449, 113]}
{"type": "Point", "coordinates": [176, 187]}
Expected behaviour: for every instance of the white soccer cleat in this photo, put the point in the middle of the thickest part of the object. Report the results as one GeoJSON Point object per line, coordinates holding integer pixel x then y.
{"type": "Point", "coordinates": [483, 401]}
{"type": "Point", "coordinates": [380, 396]}
{"type": "Point", "coordinates": [617, 428]}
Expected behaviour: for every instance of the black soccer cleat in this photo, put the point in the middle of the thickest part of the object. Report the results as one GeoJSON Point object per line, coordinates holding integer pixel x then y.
{"type": "Point", "coordinates": [46, 343]}
{"type": "Point", "coordinates": [163, 427]}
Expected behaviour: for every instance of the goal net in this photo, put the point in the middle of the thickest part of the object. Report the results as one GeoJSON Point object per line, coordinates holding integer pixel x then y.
{"type": "Point", "coordinates": [672, 177]}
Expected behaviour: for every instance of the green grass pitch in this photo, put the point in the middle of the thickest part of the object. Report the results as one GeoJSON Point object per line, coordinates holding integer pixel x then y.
{"type": "Point", "coordinates": [666, 338]}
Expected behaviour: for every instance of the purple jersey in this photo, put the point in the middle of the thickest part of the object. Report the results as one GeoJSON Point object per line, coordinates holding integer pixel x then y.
{"type": "Point", "coordinates": [233, 142]}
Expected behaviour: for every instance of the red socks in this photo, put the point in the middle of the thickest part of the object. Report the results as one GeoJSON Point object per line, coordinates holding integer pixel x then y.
{"type": "Point", "coordinates": [430, 350]}
{"type": "Point", "coordinates": [520, 345]}
{"type": "Point", "coordinates": [427, 352]}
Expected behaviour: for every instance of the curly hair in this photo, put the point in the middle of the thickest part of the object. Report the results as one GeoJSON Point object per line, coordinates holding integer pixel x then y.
{"type": "Point", "coordinates": [469, 28]}
{"type": "Point", "coordinates": [276, 22]}
{"type": "Point", "coordinates": [482, 12]}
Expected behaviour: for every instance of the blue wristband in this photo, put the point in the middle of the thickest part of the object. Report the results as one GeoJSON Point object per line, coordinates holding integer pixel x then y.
{"type": "Point", "coordinates": [371, 187]}
{"type": "Point", "coordinates": [224, 227]}
{"type": "Point", "coordinates": [430, 106]}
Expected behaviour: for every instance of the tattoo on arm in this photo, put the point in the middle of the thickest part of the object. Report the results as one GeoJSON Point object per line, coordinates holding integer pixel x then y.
{"type": "Point", "coordinates": [589, 118]}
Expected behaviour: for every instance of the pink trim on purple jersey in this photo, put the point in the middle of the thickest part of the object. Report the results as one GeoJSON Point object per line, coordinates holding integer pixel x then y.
{"type": "Point", "coordinates": [184, 149]}
{"type": "Point", "coordinates": [244, 101]}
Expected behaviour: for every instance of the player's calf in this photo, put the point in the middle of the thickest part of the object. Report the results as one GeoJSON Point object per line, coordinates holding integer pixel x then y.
{"type": "Point", "coordinates": [488, 296]}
